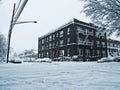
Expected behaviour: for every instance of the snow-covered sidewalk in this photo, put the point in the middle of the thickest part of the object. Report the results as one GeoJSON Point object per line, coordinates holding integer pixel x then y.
{"type": "Point", "coordinates": [60, 76]}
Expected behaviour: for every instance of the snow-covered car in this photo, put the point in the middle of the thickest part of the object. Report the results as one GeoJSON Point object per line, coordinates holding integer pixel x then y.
{"type": "Point", "coordinates": [76, 58]}
{"type": "Point", "coordinates": [57, 59]}
{"type": "Point", "coordinates": [116, 59]}
{"type": "Point", "coordinates": [66, 58]}
{"type": "Point", "coordinates": [63, 58]}
{"type": "Point", "coordinates": [48, 60]}
{"type": "Point", "coordinates": [105, 59]}
{"type": "Point", "coordinates": [28, 59]}
{"type": "Point", "coordinates": [16, 60]}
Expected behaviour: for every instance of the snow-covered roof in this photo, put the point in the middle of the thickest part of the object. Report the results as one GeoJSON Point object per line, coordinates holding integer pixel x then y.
{"type": "Point", "coordinates": [73, 21]}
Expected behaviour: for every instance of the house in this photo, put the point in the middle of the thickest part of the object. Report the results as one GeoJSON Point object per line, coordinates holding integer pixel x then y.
{"type": "Point", "coordinates": [113, 47]}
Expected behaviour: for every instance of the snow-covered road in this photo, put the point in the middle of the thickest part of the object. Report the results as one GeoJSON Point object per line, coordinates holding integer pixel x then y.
{"type": "Point", "coordinates": [60, 76]}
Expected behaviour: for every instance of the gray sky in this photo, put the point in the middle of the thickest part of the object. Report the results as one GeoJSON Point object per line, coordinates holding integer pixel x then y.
{"type": "Point", "coordinates": [49, 14]}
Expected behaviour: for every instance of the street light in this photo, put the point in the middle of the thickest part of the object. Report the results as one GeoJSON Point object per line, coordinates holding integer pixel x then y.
{"type": "Point", "coordinates": [15, 15]}
{"type": "Point", "coordinates": [22, 22]}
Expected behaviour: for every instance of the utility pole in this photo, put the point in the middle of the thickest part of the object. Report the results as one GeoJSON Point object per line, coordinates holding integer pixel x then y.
{"type": "Point", "coordinates": [9, 34]}
{"type": "Point", "coordinates": [17, 10]}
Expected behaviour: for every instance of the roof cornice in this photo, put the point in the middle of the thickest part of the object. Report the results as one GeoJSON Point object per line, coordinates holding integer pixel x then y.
{"type": "Point", "coordinates": [73, 21]}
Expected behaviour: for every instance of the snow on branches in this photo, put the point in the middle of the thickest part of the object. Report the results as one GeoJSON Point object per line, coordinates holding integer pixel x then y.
{"type": "Point", "coordinates": [104, 13]}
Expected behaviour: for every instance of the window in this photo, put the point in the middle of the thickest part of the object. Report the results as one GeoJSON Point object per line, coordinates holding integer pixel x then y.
{"type": "Point", "coordinates": [42, 41]}
{"type": "Point", "coordinates": [62, 52]}
{"type": "Point", "coordinates": [86, 31]}
{"type": "Point", "coordinates": [80, 52]}
{"type": "Point", "coordinates": [103, 53]}
{"type": "Point", "coordinates": [42, 54]}
{"type": "Point", "coordinates": [118, 46]}
{"type": "Point", "coordinates": [87, 52]}
{"type": "Point", "coordinates": [50, 38]}
{"type": "Point", "coordinates": [47, 39]}
{"type": "Point", "coordinates": [53, 36]}
{"type": "Point", "coordinates": [94, 52]}
{"type": "Point", "coordinates": [98, 43]}
{"type": "Point", "coordinates": [56, 43]}
{"type": "Point", "coordinates": [47, 46]}
{"type": "Point", "coordinates": [50, 46]}
{"type": "Point", "coordinates": [61, 42]}
{"type": "Point", "coordinates": [57, 52]}
{"type": "Point", "coordinates": [56, 34]}
{"type": "Point", "coordinates": [39, 55]}
{"type": "Point", "coordinates": [53, 44]}
{"type": "Point", "coordinates": [68, 40]}
{"type": "Point", "coordinates": [115, 45]}
{"type": "Point", "coordinates": [61, 33]}
{"type": "Point", "coordinates": [47, 54]}
{"type": "Point", "coordinates": [98, 52]}
{"type": "Point", "coordinates": [42, 47]}
{"type": "Point", "coordinates": [103, 43]}
{"type": "Point", "coordinates": [79, 29]}
{"type": "Point", "coordinates": [68, 52]}
{"type": "Point", "coordinates": [53, 53]}
{"type": "Point", "coordinates": [68, 31]}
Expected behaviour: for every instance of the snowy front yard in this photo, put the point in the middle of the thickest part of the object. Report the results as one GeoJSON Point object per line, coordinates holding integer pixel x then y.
{"type": "Point", "coordinates": [60, 76]}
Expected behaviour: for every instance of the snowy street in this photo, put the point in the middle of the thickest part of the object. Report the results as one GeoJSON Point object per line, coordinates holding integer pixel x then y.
{"type": "Point", "coordinates": [60, 76]}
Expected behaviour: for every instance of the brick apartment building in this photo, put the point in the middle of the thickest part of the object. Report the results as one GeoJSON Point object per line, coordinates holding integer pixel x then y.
{"type": "Point", "coordinates": [74, 38]}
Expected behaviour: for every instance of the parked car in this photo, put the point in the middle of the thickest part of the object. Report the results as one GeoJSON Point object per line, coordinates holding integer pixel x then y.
{"type": "Point", "coordinates": [48, 60]}
{"type": "Point", "coordinates": [62, 58]}
{"type": "Point", "coordinates": [116, 59]}
{"type": "Point", "coordinates": [105, 59]}
{"type": "Point", "coordinates": [57, 59]}
{"type": "Point", "coordinates": [16, 60]}
{"type": "Point", "coordinates": [66, 58]}
{"type": "Point", "coordinates": [76, 58]}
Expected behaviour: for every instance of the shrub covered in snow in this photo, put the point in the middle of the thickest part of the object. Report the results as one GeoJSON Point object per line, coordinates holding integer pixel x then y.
{"type": "Point", "coordinates": [3, 48]}
{"type": "Point", "coordinates": [44, 60]}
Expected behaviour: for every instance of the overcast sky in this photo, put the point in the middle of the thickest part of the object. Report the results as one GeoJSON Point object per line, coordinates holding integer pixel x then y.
{"type": "Point", "coordinates": [50, 14]}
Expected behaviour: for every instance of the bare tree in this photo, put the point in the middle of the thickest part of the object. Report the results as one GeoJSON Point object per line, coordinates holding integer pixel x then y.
{"type": "Point", "coordinates": [104, 13]}
{"type": "Point", "coordinates": [3, 47]}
